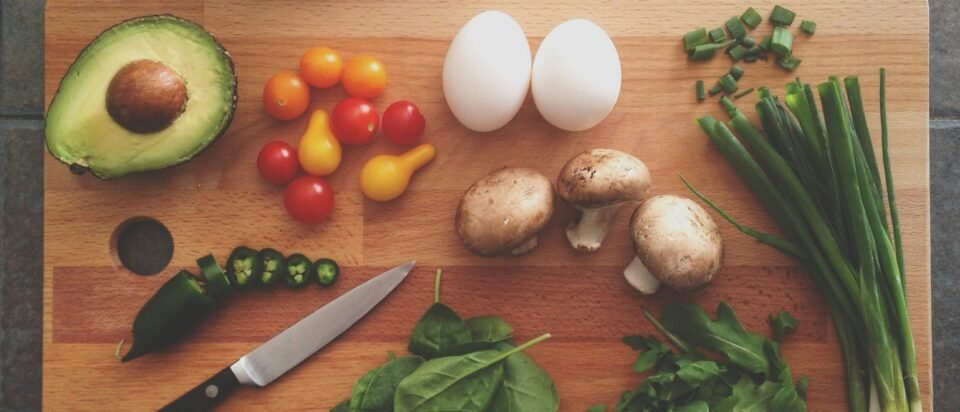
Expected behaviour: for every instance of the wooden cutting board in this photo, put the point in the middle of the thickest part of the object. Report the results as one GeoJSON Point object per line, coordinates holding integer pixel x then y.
{"type": "Point", "coordinates": [217, 201]}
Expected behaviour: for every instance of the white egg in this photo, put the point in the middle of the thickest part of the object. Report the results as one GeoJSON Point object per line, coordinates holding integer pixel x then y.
{"type": "Point", "coordinates": [576, 75]}
{"type": "Point", "coordinates": [486, 73]}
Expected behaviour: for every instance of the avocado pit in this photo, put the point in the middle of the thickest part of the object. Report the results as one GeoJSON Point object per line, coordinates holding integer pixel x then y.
{"type": "Point", "coordinates": [146, 96]}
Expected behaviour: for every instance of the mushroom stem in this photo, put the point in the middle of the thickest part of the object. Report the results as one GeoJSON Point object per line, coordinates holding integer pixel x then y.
{"type": "Point", "coordinates": [586, 233]}
{"type": "Point", "coordinates": [640, 277]}
{"type": "Point", "coordinates": [525, 247]}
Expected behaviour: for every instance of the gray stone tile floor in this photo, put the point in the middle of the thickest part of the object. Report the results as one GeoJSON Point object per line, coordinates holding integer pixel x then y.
{"type": "Point", "coordinates": [21, 197]}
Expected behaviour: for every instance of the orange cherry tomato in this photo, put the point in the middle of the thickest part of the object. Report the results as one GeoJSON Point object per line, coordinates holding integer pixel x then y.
{"type": "Point", "coordinates": [286, 95]}
{"type": "Point", "coordinates": [321, 67]}
{"type": "Point", "coordinates": [365, 77]}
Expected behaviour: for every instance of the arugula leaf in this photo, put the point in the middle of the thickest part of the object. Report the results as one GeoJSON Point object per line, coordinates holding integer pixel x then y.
{"type": "Point", "coordinates": [782, 323]}
{"type": "Point", "coordinates": [374, 391]}
{"type": "Point", "coordinates": [699, 372]}
{"type": "Point", "coordinates": [725, 335]}
{"type": "Point", "coordinates": [526, 386]}
{"type": "Point", "coordinates": [695, 406]}
{"type": "Point", "coordinates": [652, 351]}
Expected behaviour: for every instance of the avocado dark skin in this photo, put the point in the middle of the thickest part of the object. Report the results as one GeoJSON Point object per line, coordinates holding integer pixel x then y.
{"type": "Point", "coordinates": [145, 118]}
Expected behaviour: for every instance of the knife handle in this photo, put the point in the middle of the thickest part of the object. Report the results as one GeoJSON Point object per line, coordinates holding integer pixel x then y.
{"type": "Point", "coordinates": [207, 394]}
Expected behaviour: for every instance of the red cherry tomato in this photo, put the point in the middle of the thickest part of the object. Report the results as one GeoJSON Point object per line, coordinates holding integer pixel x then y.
{"type": "Point", "coordinates": [354, 121]}
{"type": "Point", "coordinates": [309, 199]}
{"type": "Point", "coordinates": [278, 162]}
{"type": "Point", "coordinates": [403, 123]}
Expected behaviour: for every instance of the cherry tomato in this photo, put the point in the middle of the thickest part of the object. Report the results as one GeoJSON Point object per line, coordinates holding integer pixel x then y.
{"type": "Point", "coordinates": [364, 76]}
{"type": "Point", "coordinates": [403, 123]}
{"type": "Point", "coordinates": [354, 121]}
{"type": "Point", "coordinates": [286, 95]}
{"type": "Point", "coordinates": [309, 199]}
{"type": "Point", "coordinates": [278, 162]}
{"type": "Point", "coordinates": [321, 67]}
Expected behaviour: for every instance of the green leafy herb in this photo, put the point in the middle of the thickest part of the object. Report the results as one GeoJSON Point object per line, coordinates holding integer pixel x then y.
{"type": "Point", "coordinates": [753, 377]}
{"type": "Point", "coordinates": [374, 391]}
{"type": "Point", "coordinates": [342, 407]}
{"type": "Point", "coordinates": [600, 407]}
{"type": "Point", "coordinates": [782, 324]}
{"type": "Point", "coordinates": [490, 329]}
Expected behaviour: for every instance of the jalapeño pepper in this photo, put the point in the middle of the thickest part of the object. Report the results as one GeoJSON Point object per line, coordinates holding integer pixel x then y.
{"type": "Point", "coordinates": [217, 282]}
{"type": "Point", "coordinates": [298, 270]}
{"type": "Point", "coordinates": [244, 267]}
{"type": "Point", "coordinates": [177, 307]}
{"type": "Point", "coordinates": [325, 271]}
{"type": "Point", "coordinates": [274, 268]}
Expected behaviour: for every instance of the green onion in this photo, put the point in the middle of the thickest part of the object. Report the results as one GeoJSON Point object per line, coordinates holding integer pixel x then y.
{"type": "Point", "coordinates": [790, 62]}
{"type": "Point", "coordinates": [717, 35]}
{"type": "Point", "coordinates": [694, 39]}
{"type": "Point", "coordinates": [705, 51]}
{"type": "Point", "coordinates": [737, 52]}
{"type": "Point", "coordinates": [748, 42]}
{"type": "Point", "coordinates": [736, 27]}
{"type": "Point", "coordinates": [701, 94]}
{"type": "Point", "coordinates": [743, 93]}
{"type": "Point", "coordinates": [751, 18]}
{"type": "Point", "coordinates": [715, 89]}
{"type": "Point", "coordinates": [728, 83]}
{"type": "Point", "coordinates": [781, 42]}
{"type": "Point", "coordinates": [781, 16]}
{"type": "Point", "coordinates": [750, 58]}
{"type": "Point", "coordinates": [813, 171]}
{"type": "Point", "coordinates": [765, 42]}
{"type": "Point", "coordinates": [736, 71]}
{"type": "Point", "coordinates": [754, 51]}
{"type": "Point", "coordinates": [808, 26]}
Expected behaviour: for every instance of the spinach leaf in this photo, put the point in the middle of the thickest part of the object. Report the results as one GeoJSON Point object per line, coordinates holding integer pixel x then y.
{"type": "Point", "coordinates": [600, 407]}
{"type": "Point", "coordinates": [526, 386]}
{"type": "Point", "coordinates": [782, 324]}
{"type": "Point", "coordinates": [490, 329]}
{"type": "Point", "coordinates": [725, 335]}
{"type": "Point", "coordinates": [438, 332]}
{"type": "Point", "coordinates": [374, 391]}
{"type": "Point", "coordinates": [456, 383]}
{"type": "Point", "coordinates": [695, 406]}
{"type": "Point", "coordinates": [453, 383]}
{"type": "Point", "coordinates": [342, 407]}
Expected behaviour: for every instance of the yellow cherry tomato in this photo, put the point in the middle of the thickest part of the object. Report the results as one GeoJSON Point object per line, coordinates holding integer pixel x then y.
{"type": "Point", "coordinates": [385, 177]}
{"type": "Point", "coordinates": [319, 151]}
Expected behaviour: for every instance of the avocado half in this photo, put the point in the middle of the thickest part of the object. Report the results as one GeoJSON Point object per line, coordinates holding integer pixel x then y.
{"type": "Point", "coordinates": [147, 94]}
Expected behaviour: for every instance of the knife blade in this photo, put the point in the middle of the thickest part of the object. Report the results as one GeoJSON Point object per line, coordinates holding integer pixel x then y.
{"type": "Point", "coordinates": [287, 349]}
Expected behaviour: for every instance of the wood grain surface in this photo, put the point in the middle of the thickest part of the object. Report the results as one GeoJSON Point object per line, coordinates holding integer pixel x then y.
{"type": "Point", "coordinates": [218, 201]}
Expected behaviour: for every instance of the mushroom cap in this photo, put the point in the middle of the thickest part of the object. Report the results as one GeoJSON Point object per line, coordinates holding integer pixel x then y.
{"type": "Point", "coordinates": [602, 177]}
{"type": "Point", "coordinates": [503, 210]}
{"type": "Point", "coordinates": [677, 241]}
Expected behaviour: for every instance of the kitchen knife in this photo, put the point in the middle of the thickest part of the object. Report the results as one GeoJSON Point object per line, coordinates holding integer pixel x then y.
{"type": "Point", "coordinates": [286, 350]}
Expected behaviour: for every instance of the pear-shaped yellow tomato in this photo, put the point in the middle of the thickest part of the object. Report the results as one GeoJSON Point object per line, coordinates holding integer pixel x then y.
{"type": "Point", "coordinates": [319, 151]}
{"type": "Point", "coordinates": [385, 177]}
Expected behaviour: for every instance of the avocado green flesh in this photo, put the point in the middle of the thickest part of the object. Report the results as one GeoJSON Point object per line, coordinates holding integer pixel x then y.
{"type": "Point", "coordinates": [80, 131]}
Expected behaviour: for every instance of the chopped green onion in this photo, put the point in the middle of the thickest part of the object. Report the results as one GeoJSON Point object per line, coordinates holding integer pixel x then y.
{"type": "Point", "coordinates": [704, 51]}
{"type": "Point", "coordinates": [695, 38]}
{"type": "Point", "coordinates": [728, 104]}
{"type": "Point", "coordinates": [717, 35]}
{"type": "Point", "coordinates": [751, 18]}
{"type": "Point", "coordinates": [781, 16]}
{"type": "Point", "coordinates": [781, 42]}
{"type": "Point", "coordinates": [736, 72]}
{"type": "Point", "coordinates": [716, 89]}
{"type": "Point", "coordinates": [737, 52]}
{"type": "Point", "coordinates": [701, 94]}
{"type": "Point", "coordinates": [789, 62]}
{"type": "Point", "coordinates": [765, 42]}
{"type": "Point", "coordinates": [750, 58]}
{"type": "Point", "coordinates": [728, 83]}
{"type": "Point", "coordinates": [808, 26]}
{"type": "Point", "coordinates": [748, 42]}
{"type": "Point", "coordinates": [743, 93]}
{"type": "Point", "coordinates": [755, 51]}
{"type": "Point", "coordinates": [736, 27]}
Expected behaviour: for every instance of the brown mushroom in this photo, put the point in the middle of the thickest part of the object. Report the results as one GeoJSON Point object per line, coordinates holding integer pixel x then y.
{"type": "Point", "coordinates": [597, 182]}
{"type": "Point", "coordinates": [677, 243]}
{"type": "Point", "coordinates": [504, 211]}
